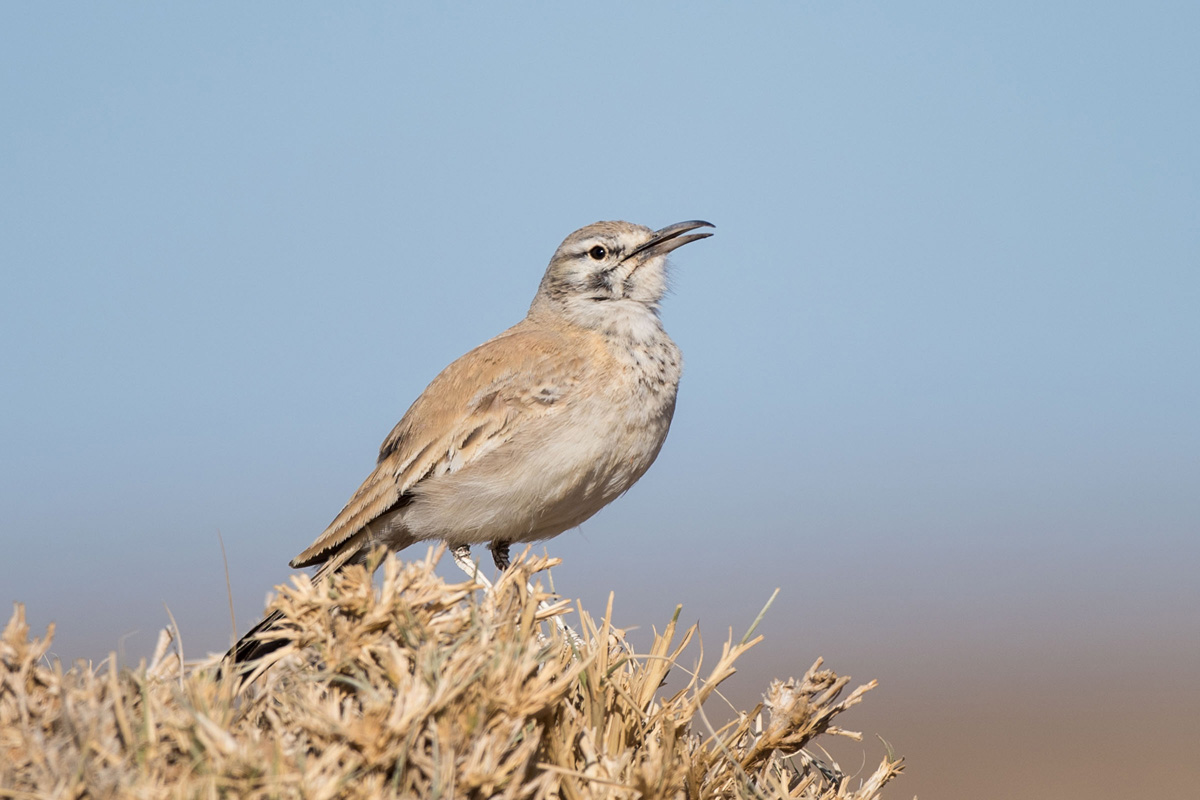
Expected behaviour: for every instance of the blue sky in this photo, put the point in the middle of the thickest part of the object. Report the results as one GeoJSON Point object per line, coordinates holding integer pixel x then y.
{"type": "Point", "coordinates": [941, 355]}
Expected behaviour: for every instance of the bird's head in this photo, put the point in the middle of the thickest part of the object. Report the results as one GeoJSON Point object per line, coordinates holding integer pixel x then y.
{"type": "Point", "coordinates": [611, 262]}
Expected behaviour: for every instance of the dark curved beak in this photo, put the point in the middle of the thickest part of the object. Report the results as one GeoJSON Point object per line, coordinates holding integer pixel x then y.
{"type": "Point", "coordinates": [671, 237]}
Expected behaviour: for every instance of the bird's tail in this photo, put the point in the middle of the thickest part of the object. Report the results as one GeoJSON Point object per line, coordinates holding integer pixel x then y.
{"type": "Point", "coordinates": [252, 648]}
{"type": "Point", "coordinates": [242, 660]}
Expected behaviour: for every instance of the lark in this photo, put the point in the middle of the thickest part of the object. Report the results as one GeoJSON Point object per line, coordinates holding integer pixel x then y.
{"type": "Point", "coordinates": [533, 431]}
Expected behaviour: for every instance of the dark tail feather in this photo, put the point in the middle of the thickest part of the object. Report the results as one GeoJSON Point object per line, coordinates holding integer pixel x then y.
{"type": "Point", "coordinates": [239, 662]}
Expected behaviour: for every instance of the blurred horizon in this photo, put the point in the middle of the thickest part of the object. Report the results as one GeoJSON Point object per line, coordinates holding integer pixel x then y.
{"type": "Point", "coordinates": [940, 354]}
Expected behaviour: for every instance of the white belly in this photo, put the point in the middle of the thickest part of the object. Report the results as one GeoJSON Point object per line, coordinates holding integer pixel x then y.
{"type": "Point", "coordinates": [571, 466]}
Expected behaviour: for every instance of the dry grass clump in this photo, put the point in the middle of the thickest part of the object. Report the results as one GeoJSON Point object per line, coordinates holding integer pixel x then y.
{"type": "Point", "coordinates": [415, 688]}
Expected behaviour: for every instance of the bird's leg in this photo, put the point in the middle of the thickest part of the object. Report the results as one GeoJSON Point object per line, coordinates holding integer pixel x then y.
{"type": "Point", "coordinates": [500, 555]}
{"type": "Point", "coordinates": [462, 557]}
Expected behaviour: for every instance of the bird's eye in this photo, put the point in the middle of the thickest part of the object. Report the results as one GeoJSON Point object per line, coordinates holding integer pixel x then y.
{"type": "Point", "coordinates": [598, 252]}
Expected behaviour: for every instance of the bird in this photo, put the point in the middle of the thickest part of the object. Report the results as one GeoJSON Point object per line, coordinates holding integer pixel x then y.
{"type": "Point", "coordinates": [532, 432]}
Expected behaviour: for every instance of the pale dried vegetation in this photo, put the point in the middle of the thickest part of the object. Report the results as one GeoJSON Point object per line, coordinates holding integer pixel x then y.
{"type": "Point", "coordinates": [415, 687]}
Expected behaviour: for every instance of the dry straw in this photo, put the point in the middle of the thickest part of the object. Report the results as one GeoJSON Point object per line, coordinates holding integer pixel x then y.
{"type": "Point", "coordinates": [413, 687]}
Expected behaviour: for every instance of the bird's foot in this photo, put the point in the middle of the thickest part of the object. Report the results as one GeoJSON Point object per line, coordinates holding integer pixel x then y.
{"type": "Point", "coordinates": [500, 555]}
{"type": "Point", "coordinates": [462, 557]}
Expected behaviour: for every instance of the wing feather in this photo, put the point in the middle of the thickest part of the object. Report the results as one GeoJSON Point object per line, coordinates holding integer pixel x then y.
{"type": "Point", "coordinates": [474, 406]}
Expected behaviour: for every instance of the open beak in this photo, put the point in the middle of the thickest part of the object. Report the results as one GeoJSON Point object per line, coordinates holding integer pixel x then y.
{"type": "Point", "coordinates": [670, 238]}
